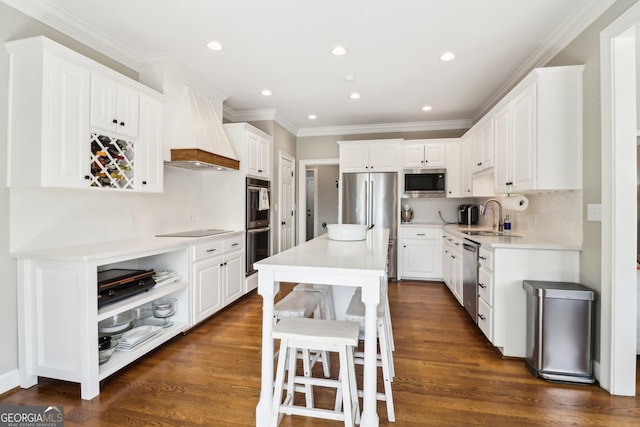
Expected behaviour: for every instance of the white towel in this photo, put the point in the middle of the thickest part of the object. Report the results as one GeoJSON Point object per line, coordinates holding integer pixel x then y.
{"type": "Point", "coordinates": [263, 205]}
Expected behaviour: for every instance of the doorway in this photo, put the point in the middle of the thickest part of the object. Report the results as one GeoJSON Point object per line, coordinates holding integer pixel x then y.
{"type": "Point", "coordinates": [312, 203]}
{"type": "Point", "coordinates": [325, 197]}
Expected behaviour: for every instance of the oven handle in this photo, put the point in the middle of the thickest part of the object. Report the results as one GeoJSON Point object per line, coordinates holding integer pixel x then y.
{"type": "Point", "coordinates": [258, 230]}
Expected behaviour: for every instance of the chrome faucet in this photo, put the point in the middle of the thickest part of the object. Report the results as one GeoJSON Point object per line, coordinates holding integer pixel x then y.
{"type": "Point", "coordinates": [483, 210]}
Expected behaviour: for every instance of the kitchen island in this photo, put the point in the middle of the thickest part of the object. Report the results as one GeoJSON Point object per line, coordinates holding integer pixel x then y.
{"type": "Point", "coordinates": [322, 261]}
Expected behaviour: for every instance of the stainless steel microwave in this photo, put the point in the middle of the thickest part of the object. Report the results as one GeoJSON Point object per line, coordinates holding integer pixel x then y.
{"type": "Point", "coordinates": [424, 183]}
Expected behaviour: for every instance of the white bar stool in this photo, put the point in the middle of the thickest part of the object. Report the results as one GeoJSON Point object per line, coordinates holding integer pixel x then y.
{"type": "Point", "coordinates": [326, 304]}
{"type": "Point", "coordinates": [303, 304]}
{"type": "Point", "coordinates": [297, 333]}
{"type": "Point", "coordinates": [356, 313]}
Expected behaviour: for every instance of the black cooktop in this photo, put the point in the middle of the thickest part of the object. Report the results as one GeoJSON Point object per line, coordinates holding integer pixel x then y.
{"type": "Point", "coordinates": [195, 233]}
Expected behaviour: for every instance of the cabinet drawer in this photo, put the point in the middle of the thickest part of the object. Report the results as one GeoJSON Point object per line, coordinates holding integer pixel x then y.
{"type": "Point", "coordinates": [486, 258]}
{"type": "Point", "coordinates": [420, 233]}
{"type": "Point", "coordinates": [485, 319]}
{"type": "Point", "coordinates": [233, 243]}
{"type": "Point", "coordinates": [207, 249]}
{"type": "Point", "coordinates": [485, 285]}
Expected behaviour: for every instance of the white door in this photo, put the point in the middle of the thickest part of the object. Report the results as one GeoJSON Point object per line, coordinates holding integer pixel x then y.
{"type": "Point", "coordinates": [286, 196]}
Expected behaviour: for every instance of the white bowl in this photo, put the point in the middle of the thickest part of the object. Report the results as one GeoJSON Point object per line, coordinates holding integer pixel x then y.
{"type": "Point", "coordinates": [347, 232]}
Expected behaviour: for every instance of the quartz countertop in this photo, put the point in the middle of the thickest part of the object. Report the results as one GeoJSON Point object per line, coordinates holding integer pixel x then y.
{"type": "Point", "coordinates": [516, 241]}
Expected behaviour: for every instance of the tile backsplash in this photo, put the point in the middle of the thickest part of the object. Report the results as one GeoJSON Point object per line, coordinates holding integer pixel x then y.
{"type": "Point", "coordinates": [555, 215]}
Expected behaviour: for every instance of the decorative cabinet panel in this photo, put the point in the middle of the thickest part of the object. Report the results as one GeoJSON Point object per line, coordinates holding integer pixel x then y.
{"type": "Point", "coordinates": [537, 131]}
{"type": "Point", "coordinates": [424, 154]}
{"type": "Point", "coordinates": [370, 156]}
{"type": "Point", "coordinates": [420, 253]}
{"type": "Point", "coordinates": [59, 132]}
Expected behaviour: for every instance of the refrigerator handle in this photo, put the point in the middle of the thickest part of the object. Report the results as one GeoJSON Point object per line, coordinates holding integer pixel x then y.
{"type": "Point", "coordinates": [371, 207]}
{"type": "Point", "coordinates": [367, 197]}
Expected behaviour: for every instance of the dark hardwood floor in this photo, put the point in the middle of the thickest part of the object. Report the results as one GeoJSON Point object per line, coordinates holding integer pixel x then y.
{"type": "Point", "coordinates": [447, 374]}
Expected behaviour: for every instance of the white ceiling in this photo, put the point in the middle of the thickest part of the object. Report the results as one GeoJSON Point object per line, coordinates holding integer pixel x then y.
{"type": "Point", "coordinates": [284, 45]}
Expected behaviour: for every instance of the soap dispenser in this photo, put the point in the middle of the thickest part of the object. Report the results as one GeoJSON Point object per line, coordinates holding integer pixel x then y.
{"type": "Point", "coordinates": [507, 225]}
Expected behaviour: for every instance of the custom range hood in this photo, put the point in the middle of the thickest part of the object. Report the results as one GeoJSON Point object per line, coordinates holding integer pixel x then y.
{"type": "Point", "coordinates": [197, 139]}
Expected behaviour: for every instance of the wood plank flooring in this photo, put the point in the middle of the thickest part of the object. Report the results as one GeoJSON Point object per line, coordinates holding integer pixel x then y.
{"type": "Point", "coordinates": [447, 374]}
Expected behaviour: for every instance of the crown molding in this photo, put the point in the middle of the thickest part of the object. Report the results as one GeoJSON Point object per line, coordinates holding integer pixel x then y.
{"type": "Point", "coordinates": [571, 28]}
{"type": "Point", "coordinates": [258, 115]}
{"type": "Point", "coordinates": [386, 128]}
{"type": "Point", "coordinates": [50, 14]}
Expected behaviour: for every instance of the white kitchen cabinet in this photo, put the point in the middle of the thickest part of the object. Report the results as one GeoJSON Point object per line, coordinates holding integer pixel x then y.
{"type": "Point", "coordinates": [502, 301]}
{"type": "Point", "coordinates": [453, 174]}
{"type": "Point", "coordinates": [537, 130]}
{"type": "Point", "coordinates": [370, 156]}
{"type": "Point", "coordinates": [114, 107]}
{"type": "Point", "coordinates": [148, 150]}
{"type": "Point", "coordinates": [55, 139]}
{"type": "Point", "coordinates": [253, 148]}
{"type": "Point", "coordinates": [420, 255]}
{"type": "Point", "coordinates": [424, 154]}
{"type": "Point", "coordinates": [452, 264]}
{"type": "Point", "coordinates": [482, 137]}
{"type": "Point", "coordinates": [58, 311]}
{"type": "Point", "coordinates": [218, 271]}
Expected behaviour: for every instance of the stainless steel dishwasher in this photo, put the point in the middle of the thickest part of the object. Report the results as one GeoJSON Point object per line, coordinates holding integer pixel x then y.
{"type": "Point", "coordinates": [470, 265]}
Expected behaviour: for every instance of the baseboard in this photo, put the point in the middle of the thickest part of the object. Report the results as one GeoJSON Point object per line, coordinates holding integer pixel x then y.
{"type": "Point", "coordinates": [9, 381]}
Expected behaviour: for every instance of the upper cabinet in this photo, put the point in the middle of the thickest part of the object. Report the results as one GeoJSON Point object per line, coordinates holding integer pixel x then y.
{"type": "Point", "coordinates": [77, 124]}
{"type": "Point", "coordinates": [253, 147]}
{"type": "Point", "coordinates": [482, 137]}
{"type": "Point", "coordinates": [424, 154]}
{"type": "Point", "coordinates": [370, 156]}
{"type": "Point", "coordinates": [537, 130]}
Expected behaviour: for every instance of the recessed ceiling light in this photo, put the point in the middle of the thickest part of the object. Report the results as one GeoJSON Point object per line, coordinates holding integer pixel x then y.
{"type": "Point", "coordinates": [349, 78]}
{"type": "Point", "coordinates": [426, 108]}
{"type": "Point", "coordinates": [354, 95]}
{"type": "Point", "coordinates": [312, 117]}
{"type": "Point", "coordinates": [447, 56]}
{"type": "Point", "coordinates": [339, 50]}
{"type": "Point", "coordinates": [214, 45]}
{"type": "Point", "coordinates": [266, 92]}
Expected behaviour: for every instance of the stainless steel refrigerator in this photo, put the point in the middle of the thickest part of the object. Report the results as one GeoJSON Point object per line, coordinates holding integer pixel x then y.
{"type": "Point", "coordinates": [372, 199]}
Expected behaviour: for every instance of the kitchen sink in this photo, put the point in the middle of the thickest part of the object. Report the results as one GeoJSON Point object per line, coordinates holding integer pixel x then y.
{"type": "Point", "coordinates": [490, 233]}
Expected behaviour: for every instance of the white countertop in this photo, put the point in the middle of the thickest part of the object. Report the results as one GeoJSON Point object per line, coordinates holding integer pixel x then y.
{"type": "Point", "coordinates": [363, 257]}
{"type": "Point", "coordinates": [97, 251]}
{"type": "Point", "coordinates": [518, 241]}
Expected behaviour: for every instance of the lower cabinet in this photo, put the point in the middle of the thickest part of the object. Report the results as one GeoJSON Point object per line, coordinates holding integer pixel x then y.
{"type": "Point", "coordinates": [218, 275]}
{"type": "Point", "coordinates": [420, 253]}
{"type": "Point", "coordinates": [452, 264]}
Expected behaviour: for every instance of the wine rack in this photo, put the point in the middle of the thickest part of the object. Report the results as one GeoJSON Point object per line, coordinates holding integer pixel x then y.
{"type": "Point", "coordinates": [112, 162]}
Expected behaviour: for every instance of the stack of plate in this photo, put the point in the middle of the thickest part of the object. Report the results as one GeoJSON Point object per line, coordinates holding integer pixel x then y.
{"type": "Point", "coordinates": [165, 277]}
{"type": "Point", "coordinates": [137, 335]}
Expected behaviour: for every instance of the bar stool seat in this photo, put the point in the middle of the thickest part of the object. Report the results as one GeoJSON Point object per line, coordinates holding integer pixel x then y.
{"type": "Point", "coordinates": [296, 333]}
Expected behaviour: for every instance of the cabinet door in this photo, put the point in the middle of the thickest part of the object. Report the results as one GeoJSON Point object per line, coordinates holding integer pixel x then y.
{"type": "Point", "coordinates": [354, 158]}
{"type": "Point", "coordinates": [482, 147]}
{"type": "Point", "coordinates": [502, 172]}
{"type": "Point", "coordinates": [454, 174]}
{"type": "Point", "coordinates": [149, 164]}
{"type": "Point", "coordinates": [104, 98]}
{"type": "Point", "coordinates": [208, 287]}
{"type": "Point", "coordinates": [384, 157]}
{"type": "Point", "coordinates": [523, 140]}
{"type": "Point", "coordinates": [234, 280]}
{"type": "Point", "coordinates": [414, 156]}
{"type": "Point", "coordinates": [456, 275]}
{"type": "Point", "coordinates": [466, 181]}
{"type": "Point", "coordinates": [421, 259]}
{"type": "Point", "coordinates": [127, 111]}
{"type": "Point", "coordinates": [264, 162]}
{"type": "Point", "coordinates": [64, 158]}
{"type": "Point", "coordinates": [434, 156]}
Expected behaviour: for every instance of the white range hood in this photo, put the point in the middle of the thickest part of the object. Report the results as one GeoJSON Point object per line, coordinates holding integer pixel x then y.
{"type": "Point", "coordinates": [197, 139]}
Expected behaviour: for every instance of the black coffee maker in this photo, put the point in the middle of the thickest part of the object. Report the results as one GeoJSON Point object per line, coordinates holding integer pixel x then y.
{"type": "Point", "coordinates": [467, 214]}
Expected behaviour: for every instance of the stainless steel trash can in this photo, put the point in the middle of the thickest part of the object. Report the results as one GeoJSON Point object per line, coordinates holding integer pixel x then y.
{"type": "Point", "coordinates": [559, 330]}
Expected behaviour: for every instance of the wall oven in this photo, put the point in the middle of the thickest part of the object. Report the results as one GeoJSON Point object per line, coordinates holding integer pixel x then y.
{"type": "Point", "coordinates": [258, 221]}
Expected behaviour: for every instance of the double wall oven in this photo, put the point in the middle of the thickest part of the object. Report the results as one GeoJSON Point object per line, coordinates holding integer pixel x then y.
{"type": "Point", "coordinates": [258, 226]}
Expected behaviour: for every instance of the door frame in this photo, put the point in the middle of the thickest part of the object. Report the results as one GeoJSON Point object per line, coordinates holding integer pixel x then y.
{"type": "Point", "coordinates": [302, 190]}
{"type": "Point", "coordinates": [288, 157]}
{"type": "Point", "coordinates": [618, 228]}
{"type": "Point", "coordinates": [313, 169]}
